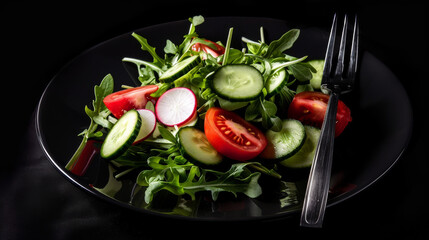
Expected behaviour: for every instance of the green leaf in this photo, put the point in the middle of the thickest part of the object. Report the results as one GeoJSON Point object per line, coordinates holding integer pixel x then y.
{"type": "Point", "coordinates": [146, 47]}
{"type": "Point", "coordinates": [197, 20]}
{"type": "Point", "coordinates": [301, 71]}
{"type": "Point", "coordinates": [238, 179]}
{"type": "Point", "coordinates": [170, 47]}
{"type": "Point", "coordinates": [252, 111]}
{"type": "Point", "coordinates": [235, 56]}
{"type": "Point", "coordinates": [285, 42]}
{"type": "Point", "coordinates": [167, 134]}
{"type": "Point", "coordinates": [98, 116]}
{"type": "Point", "coordinates": [100, 91]}
{"type": "Point", "coordinates": [256, 48]}
{"type": "Point", "coordinates": [170, 177]}
{"type": "Point", "coordinates": [268, 107]}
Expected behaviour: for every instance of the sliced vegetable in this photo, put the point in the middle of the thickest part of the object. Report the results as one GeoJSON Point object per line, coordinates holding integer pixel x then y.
{"type": "Point", "coordinates": [232, 136]}
{"type": "Point", "coordinates": [285, 143]}
{"type": "Point", "coordinates": [89, 152]}
{"type": "Point", "coordinates": [304, 157]}
{"type": "Point", "coordinates": [122, 135]}
{"type": "Point", "coordinates": [176, 106]}
{"type": "Point", "coordinates": [276, 82]}
{"type": "Point", "coordinates": [196, 148]}
{"type": "Point", "coordinates": [134, 98]}
{"type": "Point", "coordinates": [237, 82]}
{"type": "Point", "coordinates": [317, 77]}
{"type": "Point", "coordinates": [310, 108]}
{"type": "Point", "coordinates": [180, 69]}
{"type": "Point", "coordinates": [147, 126]}
{"type": "Point", "coordinates": [203, 47]}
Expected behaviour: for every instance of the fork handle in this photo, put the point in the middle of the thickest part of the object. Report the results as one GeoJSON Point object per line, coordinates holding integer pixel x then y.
{"type": "Point", "coordinates": [316, 194]}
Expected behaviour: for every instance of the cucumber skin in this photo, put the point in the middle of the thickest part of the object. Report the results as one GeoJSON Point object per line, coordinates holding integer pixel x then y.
{"type": "Point", "coordinates": [127, 143]}
{"type": "Point", "coordinates": [291, 162]}
{"type": "Point", "coordinates": [179, 73]}
{"type": "Point", "coordinates": [220, 94]}
{"type": "Point", "coordinates": [279, 87]}
{"type": "Point", "coordinates": [279, 159]}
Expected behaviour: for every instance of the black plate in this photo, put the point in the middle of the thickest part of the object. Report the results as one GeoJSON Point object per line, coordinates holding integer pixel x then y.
{"type": "Point", "coordinates": [370, 145]}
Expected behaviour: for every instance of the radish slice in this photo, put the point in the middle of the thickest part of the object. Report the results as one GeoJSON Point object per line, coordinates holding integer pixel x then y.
{"type": "Point", "coordinates": [176, 106]}
{"type": "Point", "coordinates": [148, 124]}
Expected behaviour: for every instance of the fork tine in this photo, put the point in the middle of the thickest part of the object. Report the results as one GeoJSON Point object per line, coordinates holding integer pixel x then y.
{"type": "Point", "coordinates": [354, 52]}
{"type": "Point", "coordinates": [342, 50]}
{"type": "Point", "coordinates": [330, 51]}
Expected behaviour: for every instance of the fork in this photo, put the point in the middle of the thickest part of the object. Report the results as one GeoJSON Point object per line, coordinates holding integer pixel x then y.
{"type": "Point", "coordinates": [316, 194]}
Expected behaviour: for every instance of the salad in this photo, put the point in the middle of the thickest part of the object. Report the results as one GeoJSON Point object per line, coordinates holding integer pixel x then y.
{"type": "Point", "coordinates": [208, 117]}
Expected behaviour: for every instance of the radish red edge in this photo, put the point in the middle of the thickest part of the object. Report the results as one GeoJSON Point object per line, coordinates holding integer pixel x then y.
{"type": "Point", "coordinates": [176, 107]}
{"type": "Point", "coordinates": [148, 124]}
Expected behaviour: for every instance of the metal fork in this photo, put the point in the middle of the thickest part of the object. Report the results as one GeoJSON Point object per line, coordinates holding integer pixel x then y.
{"type": "Point", "coordinates": [316, 194]}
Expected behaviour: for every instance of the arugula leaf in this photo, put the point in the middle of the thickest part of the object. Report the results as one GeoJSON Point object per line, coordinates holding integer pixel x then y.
{"type": "Point", "coordinates": [238, 179]}
{"type": "Point", "coordinates": [146, 47]}
{"type": "Point", "coordinates": [98, 116]}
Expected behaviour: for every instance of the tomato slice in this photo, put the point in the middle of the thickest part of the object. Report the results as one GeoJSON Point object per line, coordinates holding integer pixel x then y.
{"type": "Point", "coordinates": [232, 136]}
{"type": "Point", "coordinates": [310, 108]}
{"type": "Point", "coordinates": [134, 98]}
{"type": "Point", "coordinates": [214, 52]}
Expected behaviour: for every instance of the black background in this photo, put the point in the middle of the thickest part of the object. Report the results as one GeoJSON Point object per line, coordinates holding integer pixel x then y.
{"type": "Point", "coordinates": [37, 39]}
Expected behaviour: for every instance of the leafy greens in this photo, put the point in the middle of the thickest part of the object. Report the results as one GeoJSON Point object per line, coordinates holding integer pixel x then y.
{"type": "Point", "coordinates": [162, 166]}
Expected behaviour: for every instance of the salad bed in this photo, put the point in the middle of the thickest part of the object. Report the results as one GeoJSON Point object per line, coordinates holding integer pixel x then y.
{"type": "Point", "coordinates": [220, 115]}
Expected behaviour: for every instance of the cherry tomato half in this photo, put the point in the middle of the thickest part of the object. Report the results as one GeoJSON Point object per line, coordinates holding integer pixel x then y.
{"type": "Point", "coordinates": [310, 108]}
{"type": "Point", "coordinates": [232, 136]}
{"type": "Point", "coordinates": [214, 52]}
{"type": "Point", "coordinates": [134, 98]}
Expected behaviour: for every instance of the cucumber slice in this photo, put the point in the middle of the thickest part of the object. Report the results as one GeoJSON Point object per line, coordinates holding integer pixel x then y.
{"type": "Point", "coordinates": [304, 157]}
{"type": "Point", "coordinates": [237, 82]}
{"type": "Point", "coordinates": [285, 143]}
{"type": "Point", "coordinates": [276, 82]}
{"type": "Point", "coordinates": [179, 69]}
{"type": "Point", "coordinates": [122, 135]}
{"type": "Point", "coordinates": [196, 148]}
{"type": "Point", "coordinates": [317, 77]}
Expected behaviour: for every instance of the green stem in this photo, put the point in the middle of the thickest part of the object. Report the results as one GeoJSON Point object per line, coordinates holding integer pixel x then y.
{"type": "Point", "coordinates": [283, 65]}
{"type": "Point", "coordinates": [269, 172]}
{"type": "Point", "coordinates": [227, 47]}
{"type": "Point", "coordinates": [141, 62]}
{"type": "Point", "coordinates": [261, 32]}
